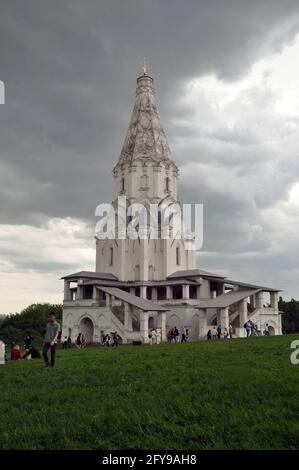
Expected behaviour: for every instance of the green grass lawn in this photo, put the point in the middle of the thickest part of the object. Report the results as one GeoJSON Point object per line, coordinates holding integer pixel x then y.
{"type": "Point", "coordinates": [234, 394]}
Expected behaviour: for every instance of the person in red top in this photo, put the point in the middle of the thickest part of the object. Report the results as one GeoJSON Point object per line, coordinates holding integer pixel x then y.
{"type": "Point", "coordinates": [15, 353]}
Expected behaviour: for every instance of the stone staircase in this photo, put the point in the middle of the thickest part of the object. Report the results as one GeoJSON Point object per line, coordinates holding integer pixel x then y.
{"type": "Point", "coordinates": [117, 321]}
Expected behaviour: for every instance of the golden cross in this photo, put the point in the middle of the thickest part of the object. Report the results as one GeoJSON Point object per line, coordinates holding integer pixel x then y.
{"type": "Point", "coordinates": [145, 67]}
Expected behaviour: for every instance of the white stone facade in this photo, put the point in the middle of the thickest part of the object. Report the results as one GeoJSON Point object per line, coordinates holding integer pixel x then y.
{"type": "Point", "coordinates": [149, 283]}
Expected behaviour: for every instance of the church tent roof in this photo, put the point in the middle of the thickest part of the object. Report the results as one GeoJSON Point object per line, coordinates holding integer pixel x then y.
{"type": "Point", "coordinates": [145, 139]}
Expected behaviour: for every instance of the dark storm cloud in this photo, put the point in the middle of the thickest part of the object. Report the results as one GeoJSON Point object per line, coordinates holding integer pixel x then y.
{"type": "Point", "coordinates": [70, 68]}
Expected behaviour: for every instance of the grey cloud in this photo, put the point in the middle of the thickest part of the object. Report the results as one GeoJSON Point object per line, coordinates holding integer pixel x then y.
{"type": "Point", "coordinates": [70, 69]}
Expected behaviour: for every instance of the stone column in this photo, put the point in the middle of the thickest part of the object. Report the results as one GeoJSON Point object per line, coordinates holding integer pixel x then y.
{"type": "Point", "coordinates": [203, 322]}
{"type": "Point", "coordinates": [220, 289]}
{"type": "Point", "coordinates": [79, 293]}
{"type": "Point", "coordinates": [143, 292]}
{"type": "Point", "coordinates": [224, 318]}
{"type": "Point", "coordinates": [161, 323]}
{"type": "Point", "coordinates": [198, 291]}
{"type": "Point", "coordinates": [132, 290]}
{"type": "Point", "coordinates": [259, 300]}
{"type": "Point", "coordinates": [186, 292]}
{"type": "Point", "coordinates": [67, 290]}
{"type": "Point", "coordinates": [243, 316]}
{"type": "Point", "coordinates": [144, 326]}
{"type": "Point", "coordinates": [108, 299]}
{"type": "Point", "coordinates": [154, 293]}
{"type": "Point", "coordinates": [128, 317]}
{"type": "Point", "coordinates": [169, 293]}
{"type": "Point", "coordinates": [252, 302]}
{"type": "Point", "coordinates": [95, 294]}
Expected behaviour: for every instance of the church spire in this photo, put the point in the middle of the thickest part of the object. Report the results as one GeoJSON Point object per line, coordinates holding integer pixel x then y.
{"type": "Point", "coordinates": [145, 139]}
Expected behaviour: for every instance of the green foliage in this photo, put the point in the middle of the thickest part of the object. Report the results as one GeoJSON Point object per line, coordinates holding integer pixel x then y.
{"type": "Point", "coordinates": [290, 316]}
{"type": "Point", "coordinates": [228, 394]}
{"type": "Point", "coordinates": [31, 321]}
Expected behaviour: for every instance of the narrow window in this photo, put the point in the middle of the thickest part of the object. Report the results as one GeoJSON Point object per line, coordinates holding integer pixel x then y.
{"type": "Point", "coordinates": [177, 255]}
{"type": "Point", "coordinates": [167, 184]}
{"type": "Point", "coordinates": [122, 185]}
{"type": "Point", "coordinates": [111, 256]}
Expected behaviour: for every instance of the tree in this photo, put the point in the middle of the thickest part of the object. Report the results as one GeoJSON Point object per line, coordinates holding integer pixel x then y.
{"type": "Point", "coordinates": [31, 321]}
{"type": "Point", "coordinates": [290, 315]}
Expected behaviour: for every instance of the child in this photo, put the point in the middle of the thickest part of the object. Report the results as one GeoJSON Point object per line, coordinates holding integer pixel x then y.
{"type": "Point", "coordinates": [15, 354]}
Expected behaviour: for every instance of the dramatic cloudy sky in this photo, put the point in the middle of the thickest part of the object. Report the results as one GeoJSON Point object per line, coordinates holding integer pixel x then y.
{"type": "Point", "coordinates": [227, 85]}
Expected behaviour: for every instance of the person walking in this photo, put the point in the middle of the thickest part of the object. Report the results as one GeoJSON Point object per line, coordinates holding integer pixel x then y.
{"type": "Point", "coordinates": [209, 335]}
{"type": "Point", "coordinates": [158, 335]}
{"type": "Point", "coordinates": [247, 327]}
{"type": "Point", "coordinates": [114, 339]}
{"type": "Point", "coordinates": [266, 330]}
{"type": "Point", "coordinates": [50, 341]}
{"type": "Point", "coordinates": [230, 330]}
{"type": "Point", "coordinates": [183, 336]}
{"type": "Point", "coordinates": [214, 333]}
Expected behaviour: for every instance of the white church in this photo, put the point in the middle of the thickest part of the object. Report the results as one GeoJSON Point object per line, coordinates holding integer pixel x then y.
{"type": "Point", "coordinates": [153, 283]}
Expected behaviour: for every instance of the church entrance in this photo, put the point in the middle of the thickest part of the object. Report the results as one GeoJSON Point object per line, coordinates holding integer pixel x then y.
{"type": "Point", "coordinates": [271, 331]}
{"type": "Point", "coordinates": [151, 323]}
{"type": "Point", "coordinates": [86, 328]}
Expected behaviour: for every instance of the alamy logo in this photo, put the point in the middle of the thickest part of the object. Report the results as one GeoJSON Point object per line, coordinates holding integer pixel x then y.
{"type": "Point", "coordinates": [2, 93]}
{"type": "Point", "coordinates": [295, 354]}
{"type": "Point", "coordinates": [152, 221]}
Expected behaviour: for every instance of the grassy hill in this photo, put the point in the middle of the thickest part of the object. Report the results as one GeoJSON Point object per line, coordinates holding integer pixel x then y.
{"type": "Point", "coordinates": [234, 394]}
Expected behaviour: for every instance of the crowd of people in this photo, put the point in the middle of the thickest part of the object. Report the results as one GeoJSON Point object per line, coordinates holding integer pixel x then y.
{"type": "Point", "coordinates": [251, 328]}
{"type": "Point", "coordinates": [174, 335]}
{"type": "Point", "coordinates": [113, 339]}
{"type": "Point", "coordinates": [216, 332]}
